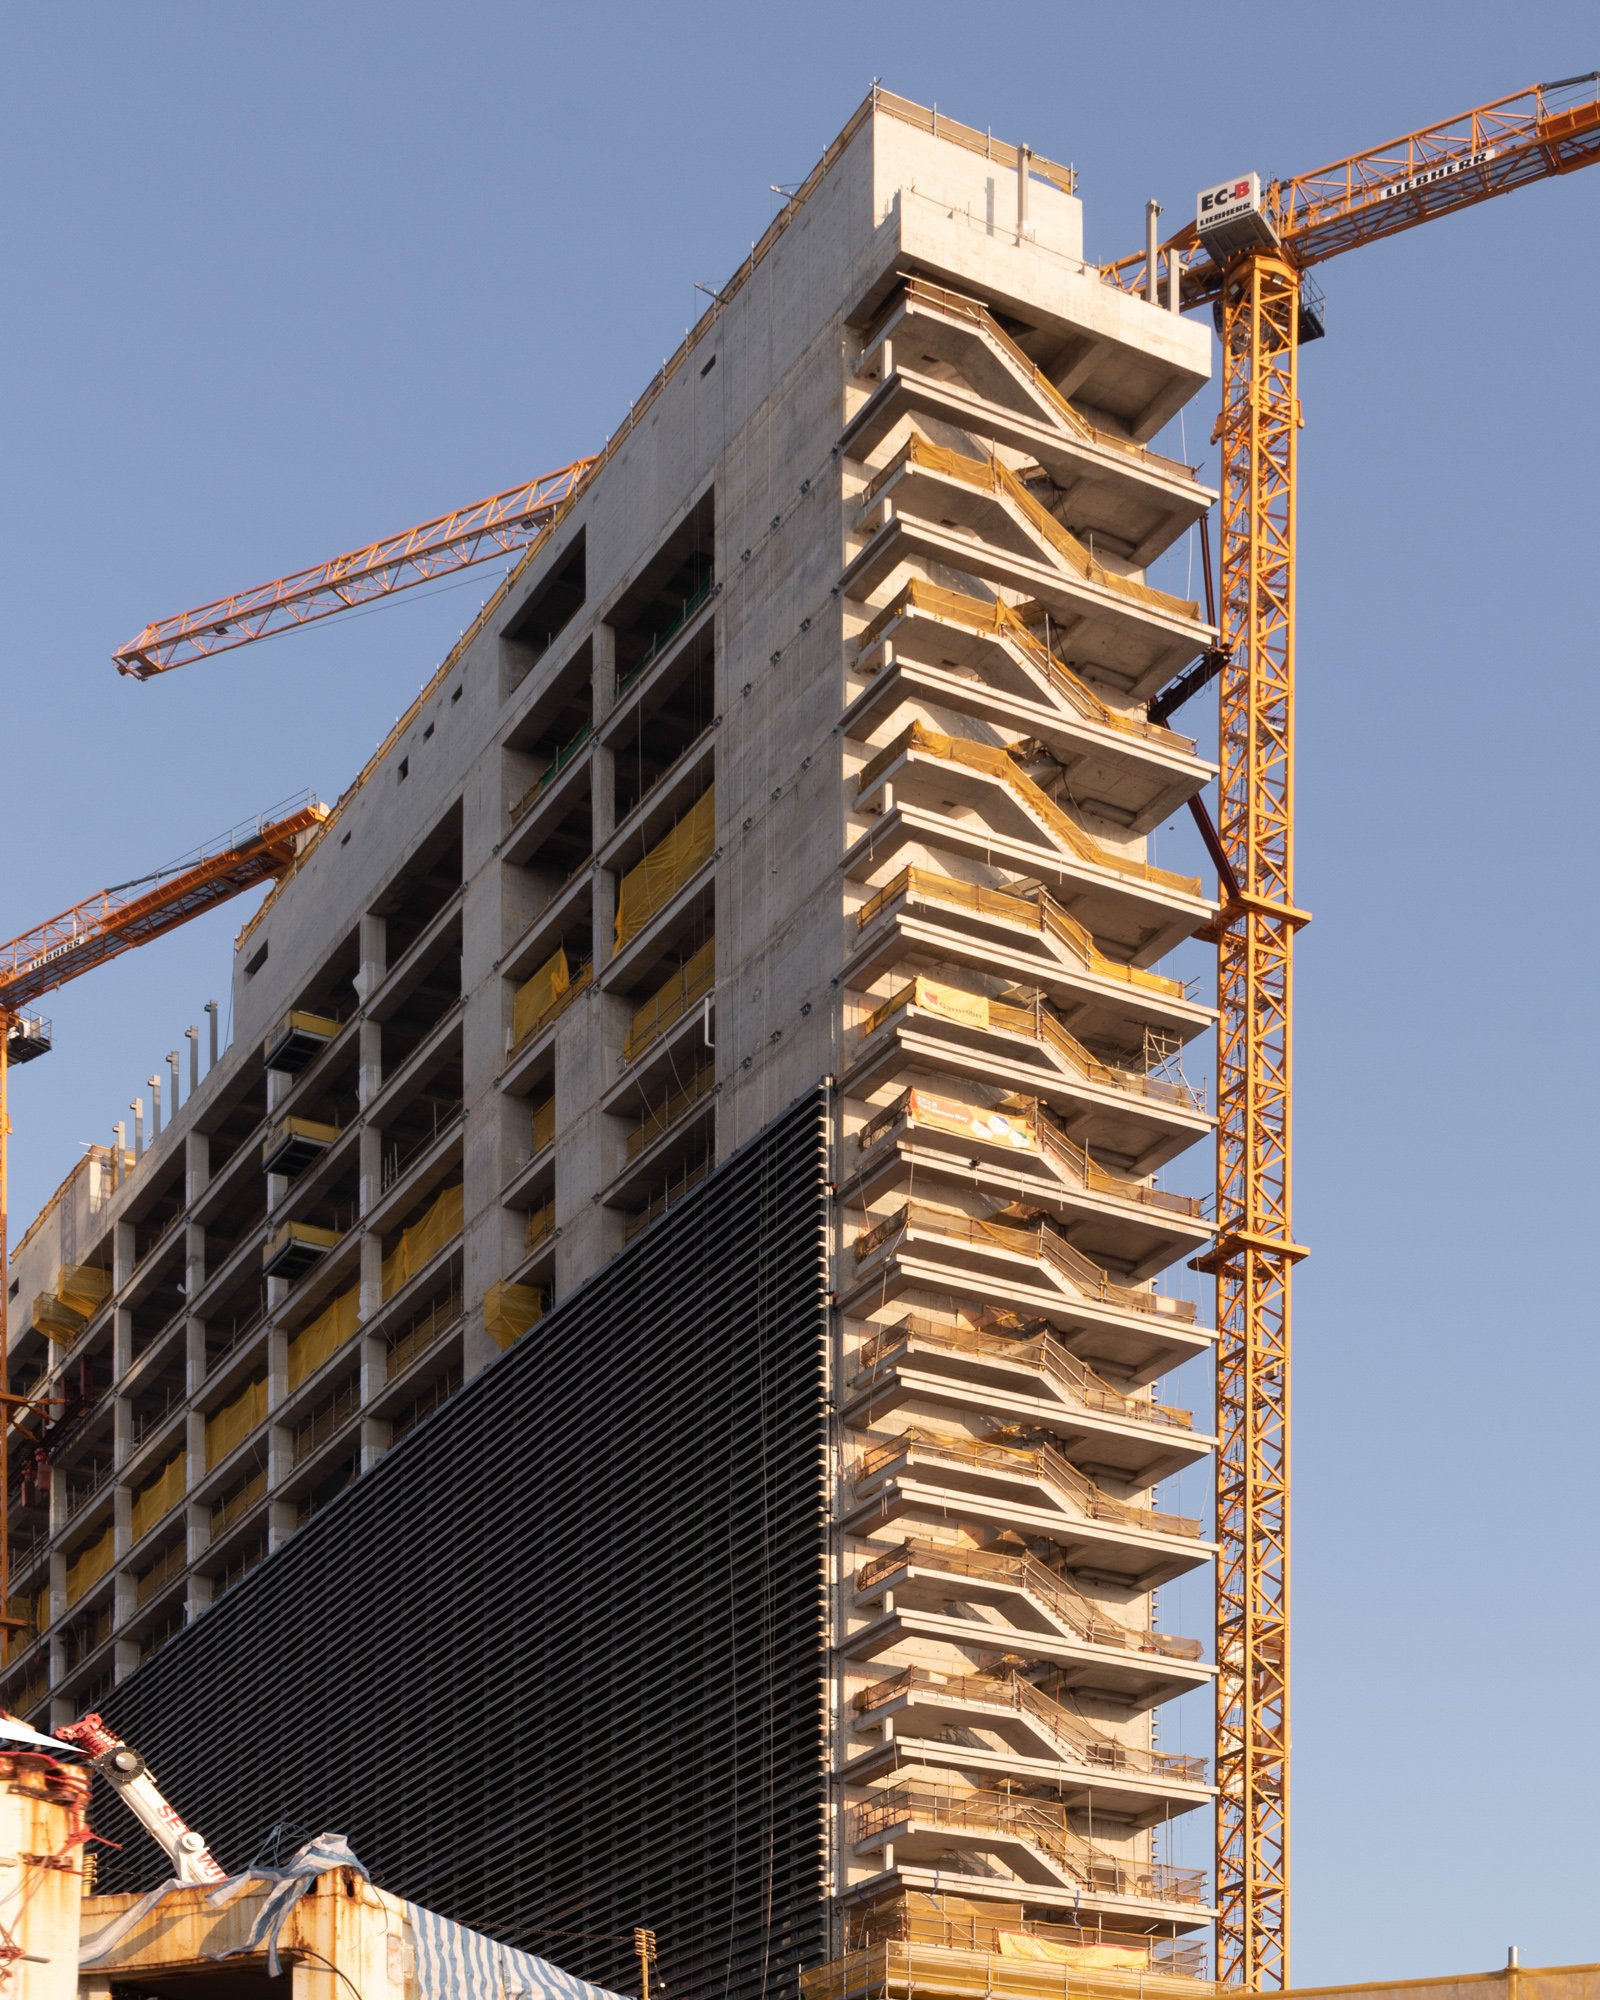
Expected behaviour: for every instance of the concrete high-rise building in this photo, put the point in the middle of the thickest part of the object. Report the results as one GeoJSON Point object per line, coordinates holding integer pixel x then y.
{"type": "Point", "coordinates": [688, 1181]}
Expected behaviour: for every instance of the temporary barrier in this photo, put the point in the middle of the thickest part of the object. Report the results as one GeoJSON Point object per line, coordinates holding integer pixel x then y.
{"type": "Point", "coordinates": [234, 1422]}
{"type": "Point", "coordinates": [83, 1289]}
{"type": "Point", "coordinates": [691, 982]}
{"type": "Point", "coordinates": [988, 614]}
{"type": "Point", "coordinates": [423, 1241]}
{"type": "Point", "coordinates": [991, 475]}
{"type": "Point", "coordinates": [653, 882]}
{"type": "Point", "coordinates": [994, 762]}
{"type": "Point", "coordinates": [509, 1310]}
{"type": "Point", "coordinates": [544, 1123]}
{"type": "Point", "coordinates": [324, 1336]}
{"type": "Point", "coordinates": [158, 1496]}
{"type": "Point", "coordinates": [90, 1564]}
{"type": "Point", "coordinates": [538, 996]}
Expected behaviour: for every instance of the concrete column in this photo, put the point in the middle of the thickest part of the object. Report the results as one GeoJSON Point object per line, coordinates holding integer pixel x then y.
{"type": "Point", "coordinates": [371, 1269]}
{"type": "Point", "coordinates": [196, 1165]}
{"type": "Point", "coordinates": [277, 1380]}
{"type": "Point", "coordinates": [194, 1354]}
{"type": "Point", "coordinates": [605, 670]}
{"type": "Point", "coordinates": [369, 1060]}
{"type": "Point", "coordinates": [375, 1435]}
{"type": "Point", "coordinates": [281, 1514]}
{"type": "Point", "coordinates": [211, 1026]}
{"type": "Point", "coordinates": [369, 1151]}
{"type": "Point", "coordinates": [603, 785]}
{"type": "Point", "coordinates": [374, 964]}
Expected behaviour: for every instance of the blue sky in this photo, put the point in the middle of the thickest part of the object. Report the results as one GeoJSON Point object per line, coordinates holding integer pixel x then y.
{"type": "Point", "coordinates": [284, 278]}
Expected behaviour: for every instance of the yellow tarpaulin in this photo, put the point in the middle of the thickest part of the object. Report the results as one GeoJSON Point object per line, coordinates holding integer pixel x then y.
{"type": "Point", "coordinates": [423, 1241]}
{"type": "Point", "coordinates": [972, 1009]}
{"type": "Point", "coordinates": [652, 883]}
{"type": "Point", "coordinates": [1018, 1944]}
{"type": "Point", "coordinates": [544, 1123]}
{"type": "Point", "coordinates": [536, 996]}
{"type": "Point", "coordinates": [56, 1321]}
{"type": "Point", "coordinates": [325, 1335]}
{"type": "Point", "coordinates": [83, 1289]}
{"type": "Point", "coordinates": [90, 1564]}
{"type": "Point", "coordinates": [509, 1310]}
{"type": "Point", "coordinates": [234, 1422]}
{"type": "Point", "coordinates": [158, 1496]}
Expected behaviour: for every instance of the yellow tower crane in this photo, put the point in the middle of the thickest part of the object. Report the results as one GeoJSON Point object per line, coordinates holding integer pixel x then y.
{"type": "Point", "coordinates": [1244, 255]}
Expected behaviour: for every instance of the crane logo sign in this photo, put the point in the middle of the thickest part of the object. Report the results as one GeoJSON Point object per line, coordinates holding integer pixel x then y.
{"type": "Point", "coordinates": [1227, 201]}
{"type": "Point", "coordinates": [1445, 170]}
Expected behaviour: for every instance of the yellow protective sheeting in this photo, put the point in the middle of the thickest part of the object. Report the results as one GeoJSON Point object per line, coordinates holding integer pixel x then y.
{"type": "Point", "coordinates": [538, 995]}
{"type": "Point", "coordinates": [325, 1335]}
{"type": "Point", "coordinates": [544, 1123]}
{"type": "Point", "coordinates": [423, 1241]}
{"type": "Point", "coordinates": [234, 1422]}
{"type": "Point", "coordinates": [56, 1321]}
{"type": "Point", "coordinates": [968, 1121]}
{"type": "Point", "coordinates": [509, 1310]}
{"type": "Point", "coordinates": [1018, 1944]}
{"type": "Point", "coordinates": [652, 883]}
{"type": "Point", "coordinates": [90, 1564]}
{"type": "Point", "coordinates": [955, 1004]}
{"type": "Point", "coordinates": [82, 1288]}
{"type": "Point", "coordinates": [158, 1496]}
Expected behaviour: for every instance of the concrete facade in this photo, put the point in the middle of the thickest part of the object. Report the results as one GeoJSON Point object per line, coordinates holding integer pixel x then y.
{"type": "Point", "coordinates": [809, 742]}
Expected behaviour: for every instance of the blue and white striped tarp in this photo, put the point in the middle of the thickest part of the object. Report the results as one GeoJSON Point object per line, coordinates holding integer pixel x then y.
{"type": "Point", "coordinates": [454, 1963]}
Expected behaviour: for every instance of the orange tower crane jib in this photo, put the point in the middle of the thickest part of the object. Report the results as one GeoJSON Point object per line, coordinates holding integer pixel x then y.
{"type": "Point", "coordinates": [75, 942]}
{"type": "Point", "coordinates": [499, 525]}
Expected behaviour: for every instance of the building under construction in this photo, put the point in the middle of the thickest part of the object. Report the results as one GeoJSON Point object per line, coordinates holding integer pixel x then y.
{"type": "Point", "coordinates": [663, 1297]}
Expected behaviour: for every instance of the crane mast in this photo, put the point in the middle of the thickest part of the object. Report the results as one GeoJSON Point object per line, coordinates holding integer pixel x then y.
{"type": "Point", "coordinates": [1252, 249]}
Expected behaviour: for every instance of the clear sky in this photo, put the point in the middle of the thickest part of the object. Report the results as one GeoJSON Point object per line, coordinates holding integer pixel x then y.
{"type": "Point", "coordinates": [282, 278]}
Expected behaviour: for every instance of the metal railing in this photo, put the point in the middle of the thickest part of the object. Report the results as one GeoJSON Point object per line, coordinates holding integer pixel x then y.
{"type": "Point", "coordinates": [956, 306]}
{"type": "Point", "coordinates": [1043, 1825]}
{"type": "Point", "coordinates": [239, 1502]}
{"type": "Point", "coordinates": [1037, 1240]}
{"type": "Point", "coordinates": [670, 1110]}
{"type": "Point", "coordinates": [1032, 909]}
{"type": "Point", "coordinates": [1034, 1019]}
{"type": "Point", "coordinates": [990, 475]}
{"type": "Point", "coordinates": [326, 1422]}
{"type": "Point", "coordinates": [1035, 1461]}
{"type": "Point", "coordinates": [1071, 1733]}
{"type": "Point", "coordinates": [551, 772]}
{"type": "Point", "coordinates": [404, 1347]}
{"type": "Point", "coordinates": [1026, 1117]}
{"type": "Point", "coordinates": [992, 762]}
{"type": "Point", "coordinates": [978, 1929]}
{"type": "Point", "coordinates": [1087, 1621]}
{"type": "Point", "coordinates": [668, 1005]}
{"type": "Point", "coordinates": [1076, 1382]}
{"type": "Point", "coordinates": [662, 1200]}
{"type": "Point", "coordinates": [659, 641]}
{"type": "Point", "coordinates": [989, 615]}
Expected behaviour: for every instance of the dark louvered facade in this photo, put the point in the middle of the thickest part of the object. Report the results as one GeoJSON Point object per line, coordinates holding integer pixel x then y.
{"type": "Point", "coordinates": [557, 1665]}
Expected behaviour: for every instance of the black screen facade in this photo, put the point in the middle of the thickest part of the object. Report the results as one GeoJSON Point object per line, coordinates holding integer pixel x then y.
{"type": "Point", "coordinates": [557, 1665]}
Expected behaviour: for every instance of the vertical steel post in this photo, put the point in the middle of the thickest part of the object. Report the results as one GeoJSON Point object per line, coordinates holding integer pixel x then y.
{"type": "Point", "coordinates": [1255, 1251]}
